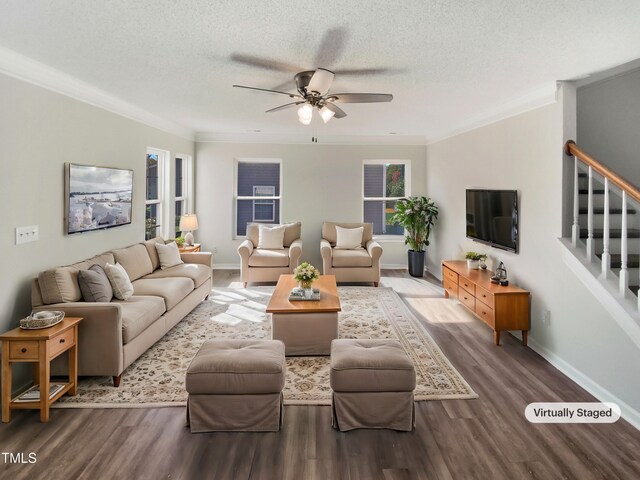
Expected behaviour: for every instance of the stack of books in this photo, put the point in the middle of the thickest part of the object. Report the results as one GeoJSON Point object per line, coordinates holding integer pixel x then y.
{"type": "Point", "coordinates": [33, 394]}
{"type": "Point", "coordinates": [299, 294]}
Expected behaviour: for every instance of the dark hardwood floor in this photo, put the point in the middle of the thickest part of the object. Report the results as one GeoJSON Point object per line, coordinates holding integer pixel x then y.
{"type": "Point", "coordinates": [485, 438]}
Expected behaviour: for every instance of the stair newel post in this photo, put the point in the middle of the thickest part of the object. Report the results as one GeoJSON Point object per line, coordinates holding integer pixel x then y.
{"type": "Point", "coordinates": [590, 243]}
{"type": "Point", "coordinates": [606, 256]}
{"type": "Point", "coordinates": [624, 274]}
{"type": "Point", "coordinates": [575, 229]}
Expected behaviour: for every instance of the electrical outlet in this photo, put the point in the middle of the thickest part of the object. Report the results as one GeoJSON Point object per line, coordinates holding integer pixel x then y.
{"type": "Point", "coordinates": [215, 249]}
{"type": "Point", "coordinates": [546, 317]}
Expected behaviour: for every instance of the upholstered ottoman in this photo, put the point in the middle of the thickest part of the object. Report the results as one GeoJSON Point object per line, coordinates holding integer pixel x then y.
{"type": "Point", "coordinates": [236, 385]}
{"type": "Point", "coordinates": [373, 383]}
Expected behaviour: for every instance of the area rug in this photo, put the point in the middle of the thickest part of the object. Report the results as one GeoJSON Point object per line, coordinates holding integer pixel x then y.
{"type": "Point", "coordinates": [157, 377]}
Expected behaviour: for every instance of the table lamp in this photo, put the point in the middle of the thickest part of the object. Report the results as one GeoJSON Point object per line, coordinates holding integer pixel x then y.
{"type": "Point", "coordinates": [188, 223]}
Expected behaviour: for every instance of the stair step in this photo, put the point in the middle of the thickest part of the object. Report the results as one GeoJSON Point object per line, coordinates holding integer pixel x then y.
{"type": "Point", "coordinates": [612, 211]}
{"type": "Point", "coordinates": [596, 191]}
{"type": "Point", "coordinates": [634, 289]}
{"type": "Point", "coordinates": [633, 260]}
{"type": "Point", "coordinates": [613, 233]}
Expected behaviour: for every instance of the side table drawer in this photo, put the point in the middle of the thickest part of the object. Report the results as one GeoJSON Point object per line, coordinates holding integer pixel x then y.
{"type": "Point", "coordinates": [467, 299]}
{"type": "Point", "coordinates": [486, 314]}
{"type": "Point", "coordinates": [60, 342]}
{"type": "Point", "coordinates": [450, 274]}
{"type": "Point", "coordinates": [23, 350]}
{"type": "Point", "coordinates": [467, 284]}
{"type": "Point", "coordinates": [450, 286]}
{"type": "Point", "coordinates": [485, 296]}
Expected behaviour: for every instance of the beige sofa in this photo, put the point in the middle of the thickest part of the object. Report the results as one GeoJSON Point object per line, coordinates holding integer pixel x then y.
{"type": "Point", "coordinates": [263, 265]}
{"type": "Point", "coordinates": [360, 265]}
{"type": "Point", "coordinates": [114, 334]}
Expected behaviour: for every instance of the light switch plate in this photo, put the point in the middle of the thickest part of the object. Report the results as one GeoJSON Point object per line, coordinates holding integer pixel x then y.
{"type": "Point", "coordinates": [30, 233]}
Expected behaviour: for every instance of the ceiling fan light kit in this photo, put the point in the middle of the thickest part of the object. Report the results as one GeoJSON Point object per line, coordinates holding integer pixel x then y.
{"type": "Point", "coordinates": [313, 87]}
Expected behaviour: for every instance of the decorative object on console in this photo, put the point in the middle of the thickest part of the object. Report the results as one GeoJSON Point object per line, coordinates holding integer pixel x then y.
{"type": "Point", "coordinates": [474, 259]}
{"type": "Point", "coordinates": [305, 274]}
{"type": "Point", "coordinates": [96, 197]}
{"type": "Point", "coordinates": [500, 276]}
{"type": "Point", "coordinates": [179, 241]}
{"type": "Point", "coordinates": [417, 215]}
{"type": "Point", "coordinates": [188, 223]}
{"type": "Point", "coordinates": [41, 319]}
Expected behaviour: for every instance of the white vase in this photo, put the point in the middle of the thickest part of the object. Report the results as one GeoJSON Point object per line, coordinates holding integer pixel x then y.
{"type": "Point", "coordinates": [473, 264]}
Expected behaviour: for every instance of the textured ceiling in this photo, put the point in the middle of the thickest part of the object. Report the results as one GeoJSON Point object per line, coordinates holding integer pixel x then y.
{"type": "Point", "coordinates": [449, 62]}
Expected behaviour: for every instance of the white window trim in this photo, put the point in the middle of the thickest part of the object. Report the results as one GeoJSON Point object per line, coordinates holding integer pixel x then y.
{"type": "Point", "coordinates": [265, 199]}
{"type": "Point", "coordinates": [407, 193]}
{"type": "Point", "coordinates": [163, 187]}
{"type": "Point", "coordinates": [236, 198]}
{"type": "Point", "coordinates": [187, 182]}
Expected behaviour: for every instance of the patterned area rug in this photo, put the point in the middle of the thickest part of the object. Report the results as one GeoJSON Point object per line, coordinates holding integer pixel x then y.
{"type": "Point", "coordinates": [157, 377]}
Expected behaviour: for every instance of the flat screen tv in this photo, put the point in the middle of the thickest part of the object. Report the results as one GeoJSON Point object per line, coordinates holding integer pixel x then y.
{"type": "Point", "coordinates": [492, 218]}
{"type": "Point", "coordinates": [97, 197]}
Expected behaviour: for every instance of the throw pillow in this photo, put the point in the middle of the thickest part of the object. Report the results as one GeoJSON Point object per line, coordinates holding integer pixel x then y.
{"type": "Point", "coordinates": [169, 255]}
{"type": "Point", "coordinates": [271, 238]}
{"type": "Point", "coordinates": [117, 275]}
{"type": "Point", "coordinates": [94, 284]}
{"type": "Point", "coordinates": [348, 238]}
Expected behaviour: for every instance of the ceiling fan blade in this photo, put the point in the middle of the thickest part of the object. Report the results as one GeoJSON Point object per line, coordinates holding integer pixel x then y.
{"type": "Point", "coordinates": [368, 71]}
{"type": "Point", "coordinates": [283, 107]}
{"type": "Point", "coordinates": [292, 95]}
{"type": "Point", "coordinates": [321, 81]}
{"type": "Point", "coordinates": [339, 113]}
{"type": "Point", "coordinates": [331, 46]}
{"type": "Point", "coordinates": [360, 97]}
{"type": "Point", "coordinates": [265, 63]}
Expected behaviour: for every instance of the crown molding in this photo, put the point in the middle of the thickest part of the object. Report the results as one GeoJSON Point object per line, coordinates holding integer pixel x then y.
{"type": "Point", "coordinates": [537, 98]}
{"type": "Point", "coordinates": [305, 139]}
{"type": "Point", "coordinates": [23, 68]}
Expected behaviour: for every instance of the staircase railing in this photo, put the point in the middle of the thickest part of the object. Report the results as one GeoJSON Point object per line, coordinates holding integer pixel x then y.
{"type": "Point", "coordinates": [628, 191]}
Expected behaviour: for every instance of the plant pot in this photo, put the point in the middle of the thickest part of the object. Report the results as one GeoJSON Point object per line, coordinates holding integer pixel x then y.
{"type": "Point", "coordinates": [473, 264]}
{"type": "Point", "coordinates": [416, 263]}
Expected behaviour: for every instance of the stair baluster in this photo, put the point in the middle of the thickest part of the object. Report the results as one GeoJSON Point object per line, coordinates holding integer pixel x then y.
{"type": "Point", "coordinates": [590, 243]}
{"type": "Point", "coordinates": [624, 274]}
{"type": "Point", "coordinates": [575, 229]}
{"type": "Point", "coordinates": [606, 256]}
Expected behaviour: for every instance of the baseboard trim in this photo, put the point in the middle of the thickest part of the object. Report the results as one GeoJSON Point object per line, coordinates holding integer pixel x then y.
{"type": "Point", "coordinates": [226, 266]}
{"type": "Point", "coordinates": [628, 413]}
{"type": "Point", "coordinates": [394, 266]}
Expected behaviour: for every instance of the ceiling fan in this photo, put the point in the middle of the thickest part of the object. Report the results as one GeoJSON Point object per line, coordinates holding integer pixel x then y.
{"type": "Point", "coordinates": [313, 93]}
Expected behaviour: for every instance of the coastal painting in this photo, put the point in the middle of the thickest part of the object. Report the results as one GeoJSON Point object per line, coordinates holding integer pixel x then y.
{"type": "Point", "coordinates": [97, 197]}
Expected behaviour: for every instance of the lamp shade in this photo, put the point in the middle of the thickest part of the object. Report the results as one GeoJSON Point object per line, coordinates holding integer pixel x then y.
{"type": "Point", "coordinates": [305, 113]}
{"type": "Point", "coordinates": [188, 222]}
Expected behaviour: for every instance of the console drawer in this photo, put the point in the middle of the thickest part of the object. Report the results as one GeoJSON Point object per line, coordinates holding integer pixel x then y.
{"type": "Point", "coordinates": [485, 297]}
{"type": "Point", "coordinates": [27, 350]}
{"type": "Point", "coordinates": [467, 284]}
{"type": "Point", "coordinates": [450, 286]}
{"type": "Point", "coordinates": [450, 274]}
{"type": "Point", "coordinates": [467, 299]}
{"type": "Point", "coordinates": [486, 314]}
{"type": "Point", "coordinates": [60, 342]}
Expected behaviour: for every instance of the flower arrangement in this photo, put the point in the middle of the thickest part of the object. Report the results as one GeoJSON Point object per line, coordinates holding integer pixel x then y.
{"type": "Point", "coordinates": [305, 273]}
{"type": "Point", "coordinates": [417, 215]}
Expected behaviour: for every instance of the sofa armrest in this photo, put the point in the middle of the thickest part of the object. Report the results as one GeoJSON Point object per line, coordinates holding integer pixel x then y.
{"type": "Point", "coordinates": [295, 252]}
{"type": "Point", "coordinates": [327, 253]}
{"type": "Point", "coordinates": [245, 249]}
{"type": "Point", "coordinates": [374, 249]}
{"type": "Point", "coordinates": [202, 258]}
{"type": "Point", "coordinates": [100, 348]}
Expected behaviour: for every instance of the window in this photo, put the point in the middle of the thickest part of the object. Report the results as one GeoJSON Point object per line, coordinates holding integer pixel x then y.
{"type": "Point", "coordinates": [180, 192]}
{"type": "Point", "coordinates": [384, 182]}
{"type": "Point", "coordinates": [257, 192]}
{"type": "Point", "coordinates": [156, 175]}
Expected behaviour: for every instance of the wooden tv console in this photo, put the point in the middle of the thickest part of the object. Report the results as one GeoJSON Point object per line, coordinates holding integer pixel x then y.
{"type": "Point", "coordinates": [502, 308]}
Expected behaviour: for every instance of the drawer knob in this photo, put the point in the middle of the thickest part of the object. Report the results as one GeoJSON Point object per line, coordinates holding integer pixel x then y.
{"type": "Point", "coordinates": [23, 350]}
{"type": "Point", "coordinates": [62, 340]}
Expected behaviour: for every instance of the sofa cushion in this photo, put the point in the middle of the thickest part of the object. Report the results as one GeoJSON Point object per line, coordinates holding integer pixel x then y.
{"type": "Point", "coordinates": [135, 260]}
{"type": "Point", "coordinates": [329, 231]}
{"type": "Point", "coordinates": [94, 285]}
{"type": "Point", "coordinates": [292, 232]}
{"type": "Point", "coordinates": [351, 258]}
{"type": "Point", "coordinates": [173, 290]}
{"type": "Point", "coordinates": [196, 272]}
{"type": "Point", "coordinates": [138, 313]}
{"type": "Point", "coordinates": [269, 258]}
{"type": "Point", "coordinates": [120, 282]}
{"type": "Point", "coordinates": [150, 245]}
{"type": "Point", "coordinates": [348, 238]}
{"type": "Point", "coordinates": [168, 254]}
{"type": "Point", "coordinates": [271, 238]}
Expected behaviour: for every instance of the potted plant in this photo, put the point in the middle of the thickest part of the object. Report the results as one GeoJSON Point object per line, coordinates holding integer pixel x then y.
{"type": "Point", "coordinates": [474, 259]}
{"type": "Point", "coordinates": [179, 241]}
{"type": "Point", "coordinates": [417, 215]}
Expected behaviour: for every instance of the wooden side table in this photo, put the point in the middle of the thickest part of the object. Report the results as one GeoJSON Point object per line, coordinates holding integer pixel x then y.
{"type": "Point", "coordinates": [189, 248]}
{"type": "Point", "coordinates": [39, 347]}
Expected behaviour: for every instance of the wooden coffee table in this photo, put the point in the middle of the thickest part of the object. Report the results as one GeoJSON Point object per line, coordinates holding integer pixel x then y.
{"type": "Point", "coordinates": [306, 327]}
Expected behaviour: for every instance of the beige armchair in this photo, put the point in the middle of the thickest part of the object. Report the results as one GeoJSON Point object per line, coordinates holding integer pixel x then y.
{"type": "Point", "coordinates": [263, 265]}
{"type": "Point", "coordinates": [360, 265]}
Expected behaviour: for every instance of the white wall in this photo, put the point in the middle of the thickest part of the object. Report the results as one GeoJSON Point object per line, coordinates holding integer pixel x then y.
{"type": "Point", "coordinates": [525, 153]}
{"type": "Point", "coordinates": [39, 132]}
{"type": "Point", "coordinates": [609, 123]}
{"type": "Point", "coordinates": [320, 182]}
